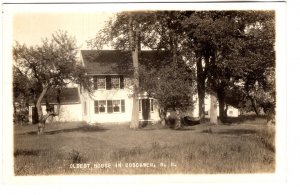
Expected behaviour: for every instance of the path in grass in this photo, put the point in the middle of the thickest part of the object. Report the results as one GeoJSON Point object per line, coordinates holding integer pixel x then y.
{"type": "Point", "coordinates": [238, 148]}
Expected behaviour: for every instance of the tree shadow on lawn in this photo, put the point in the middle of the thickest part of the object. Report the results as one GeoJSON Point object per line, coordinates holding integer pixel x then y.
{"type": "Point", "coordinates": [23, 152]}
{"type": "Point", "coordinates": [87, 128]}
{"type": "Point", "coordinates": [183, 129]}
{"type": "Point", "coordinates": [244, 118]}
{"type": "Point", "coordinates": [149, 127]}
{"type": "Point", "coordinates": [231, 131]}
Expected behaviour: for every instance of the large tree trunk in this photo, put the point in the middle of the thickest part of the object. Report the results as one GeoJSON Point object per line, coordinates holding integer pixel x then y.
{"type": "Point", "coordinates": [251, 98]}
{"type": "Point", "coordinates": [174, 46]}
{"type": "Point", "coordinates": [178, 120]}
{"type": "Point", "coordinates": [42, 120]}
{"type": "Point", "coordinates": [221, 99]}
{"type": "Point", "coordinates": [225, 110]}
{"type": "Point", "coordinates": [254, 105]}
{"type": "Point", "coordinates": [162, 115]}
{"type": "Point", "coordinates": [134, 44]}
{"type": "Point", "coordinates": [201, 87]}
{"type": "Point", "coordinates": [213, 109]}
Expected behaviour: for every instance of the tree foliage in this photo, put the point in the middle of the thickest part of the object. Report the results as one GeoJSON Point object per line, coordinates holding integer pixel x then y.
{"type": "Point", "coordinates": [158, 31]}
{"type": "Point", "coordinates": [50, 65]}
{"type": "Point", "coordinates": [233, 51]}
{"type": "Point", "coordinates": [171, 86]}
{"type": "Point", "coordinates": [237, 47]}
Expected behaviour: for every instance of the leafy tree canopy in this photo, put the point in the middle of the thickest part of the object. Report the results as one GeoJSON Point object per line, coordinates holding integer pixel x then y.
{"type": "Point", "coordinates": [52, 64]}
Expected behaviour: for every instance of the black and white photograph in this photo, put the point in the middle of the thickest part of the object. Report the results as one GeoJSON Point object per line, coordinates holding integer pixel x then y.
{"type": "Point", "coordinates": [109, 89]}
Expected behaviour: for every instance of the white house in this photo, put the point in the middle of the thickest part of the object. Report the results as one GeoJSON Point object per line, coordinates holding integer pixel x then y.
{"type": "Point", "coordinates": [231, 111]}
{"type": "Point", "coordinates": [112, 100]}
{"type": "Point", "coordinates": [70, 105]}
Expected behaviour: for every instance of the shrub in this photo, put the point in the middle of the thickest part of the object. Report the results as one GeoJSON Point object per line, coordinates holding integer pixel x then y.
{"type": "Point", "coordinates": [171, 121]}
{"type": "Point", "coordinates": [75, 157]}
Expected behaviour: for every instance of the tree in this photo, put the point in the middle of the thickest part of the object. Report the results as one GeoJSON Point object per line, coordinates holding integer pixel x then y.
{"type": "Point", "coordinates": [134, 30]}
{"type": "Point", "coordinates": [232, 44]}
{"type": "Point", "coordinates": [229, 48]}
{"type": "Point", "coordinates": [51, 65]}
{"type": "Point", "coordinates": [124, 32]}
{"type": "Point", "coordinates": [24, 91]}
{"type": "Point", "coordinates": [255, 54]}
{"type": "Point", "coordinates": [171, 86]}
{"type": "Point", "coordinates": [134, 34]}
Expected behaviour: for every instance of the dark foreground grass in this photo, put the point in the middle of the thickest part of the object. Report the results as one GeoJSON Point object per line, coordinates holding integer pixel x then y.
{"type": "Point", "coordinates": [77, 148]}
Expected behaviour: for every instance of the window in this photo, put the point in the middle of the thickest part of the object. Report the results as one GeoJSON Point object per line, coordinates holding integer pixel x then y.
{"type": "Point", "coordinates": [108, 82]}
{"type": "Point", "coordinates": [206, 112]}
{"type": "Point", "coordinates": [109, 106]}
{"type": "Point", "coordinates": [116, 105]}
{"type": "Point", "coordinates": [115, 82]}
{"type": "Point", "coordinates": [49, 107]}
{"type": "Point", "coordinates": [100, 106]}
{"type": "Point", "coordinates": [101, 82]}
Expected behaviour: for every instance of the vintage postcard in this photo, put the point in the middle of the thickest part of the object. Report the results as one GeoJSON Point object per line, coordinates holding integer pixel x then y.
{"type": "Point", "coordinates": [172, 91]}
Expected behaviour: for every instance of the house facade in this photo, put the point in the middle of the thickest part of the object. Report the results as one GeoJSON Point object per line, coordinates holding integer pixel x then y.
{"type": "Point", "coordinates": [70, 106]}
{"type": "Point", "coordinates": [112, 98]}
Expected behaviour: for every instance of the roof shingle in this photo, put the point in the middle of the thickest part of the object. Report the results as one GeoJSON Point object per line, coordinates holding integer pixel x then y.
{"type": "Point", "coordinates": [67, 96]}
{"type": "Point", "coordinates": [119, 62]}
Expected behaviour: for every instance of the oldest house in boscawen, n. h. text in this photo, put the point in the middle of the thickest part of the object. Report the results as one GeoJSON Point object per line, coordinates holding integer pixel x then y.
{"type": "Point", "coordinates": [111, 100]}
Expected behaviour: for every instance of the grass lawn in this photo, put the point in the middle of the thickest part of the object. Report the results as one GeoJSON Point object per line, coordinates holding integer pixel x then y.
{"type": "Point", "coordinates": [78, 148]}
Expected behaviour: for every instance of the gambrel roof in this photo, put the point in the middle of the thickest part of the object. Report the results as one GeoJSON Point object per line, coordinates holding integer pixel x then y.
{"type": "Point", "coordinates": [117, 62]}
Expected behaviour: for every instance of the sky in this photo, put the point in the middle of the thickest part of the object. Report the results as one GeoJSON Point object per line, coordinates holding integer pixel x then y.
{"type": "Point", "coordinates": [30, 28]}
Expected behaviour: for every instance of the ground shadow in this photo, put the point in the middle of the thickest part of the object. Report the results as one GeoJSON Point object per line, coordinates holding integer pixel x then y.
{"type": "Point", "coordinates": [236, 131]}
{"type": "Point", "coordinates": [243, 118]}
{"type": "Point", "coordinates": [22, 152]}
{"type": "Point", "coordinates": [183, 129]}
{"type": "Point", "coordinates": [192, 121]}
{"type": "Point", "coordinates": [78, 129]}
{"type": "Point", "coordinates": [150, 126]}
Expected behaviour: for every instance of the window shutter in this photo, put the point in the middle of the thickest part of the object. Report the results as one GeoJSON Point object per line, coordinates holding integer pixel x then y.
{"type": "Point", "coordinates": [151, 104]}
{"type": "Point", "coordinates": [122, 82]}
{"type": "Point", "coordinates": [84, 109]}
{"type": "Point", "coordinates": [108, 82]}
{"type": "Point", "coordinates": [140, 105]}
{"type": "Point", "coordinates": [95, 82]}
{"type": "Point", "coordinates": [122, 105]}
{"type": "Point", "coordinates": [109, 106]}
{"type": "Point", "coordinates": [96, 107]}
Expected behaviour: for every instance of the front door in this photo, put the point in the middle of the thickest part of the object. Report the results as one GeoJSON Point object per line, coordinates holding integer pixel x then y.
{"type": "Point", "coordinates": [146, 109]}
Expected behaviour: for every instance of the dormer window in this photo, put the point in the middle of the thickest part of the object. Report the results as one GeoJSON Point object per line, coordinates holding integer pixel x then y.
{"type": "Point", "coordinates": [115, 82]}
{"type": "Point", "coordinates": [108, 82]}
{"type": "Point", "coordinates": [101, 82]}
